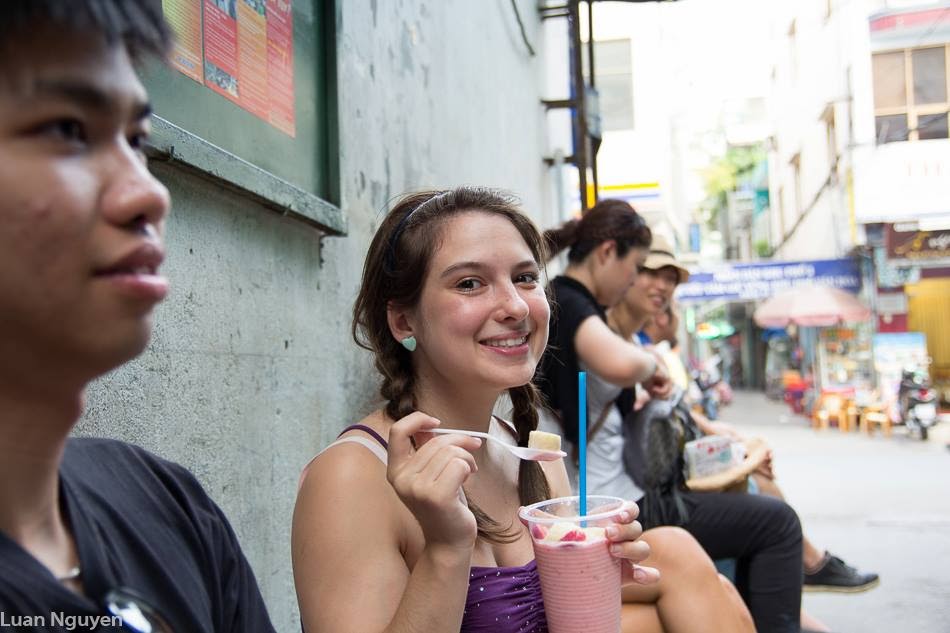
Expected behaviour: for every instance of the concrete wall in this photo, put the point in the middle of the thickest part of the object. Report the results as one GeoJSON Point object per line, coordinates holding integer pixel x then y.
{"type": "Point", "coordinates": [251, 369]}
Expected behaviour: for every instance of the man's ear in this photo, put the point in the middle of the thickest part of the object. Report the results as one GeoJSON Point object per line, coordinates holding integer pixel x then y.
{"type": "Point", "coordinates": [399, 321]}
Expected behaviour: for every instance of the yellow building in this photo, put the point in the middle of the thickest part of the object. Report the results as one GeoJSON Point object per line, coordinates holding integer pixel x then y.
{"type": "Point", "coordinates": [928, 311]}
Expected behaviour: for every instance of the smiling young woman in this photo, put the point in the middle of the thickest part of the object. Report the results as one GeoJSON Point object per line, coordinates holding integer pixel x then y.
{"type": "Point", "coordinates": [453, 309]}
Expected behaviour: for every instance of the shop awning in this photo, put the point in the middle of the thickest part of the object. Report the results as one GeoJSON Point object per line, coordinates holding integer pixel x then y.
{"type": "Point", "coordinates": [816, 306]}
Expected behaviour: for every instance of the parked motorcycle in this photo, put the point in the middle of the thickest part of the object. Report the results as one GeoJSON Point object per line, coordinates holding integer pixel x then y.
{"type": "Point", "coordinates": [917, 402]}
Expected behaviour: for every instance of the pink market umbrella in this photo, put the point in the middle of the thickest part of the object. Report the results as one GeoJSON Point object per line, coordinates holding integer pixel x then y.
{"type": "Point", "coordinates": [816, 306]}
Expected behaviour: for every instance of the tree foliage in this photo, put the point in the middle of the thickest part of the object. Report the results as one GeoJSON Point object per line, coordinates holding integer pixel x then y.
{"type": "Point", "coordinates": [725, 174]}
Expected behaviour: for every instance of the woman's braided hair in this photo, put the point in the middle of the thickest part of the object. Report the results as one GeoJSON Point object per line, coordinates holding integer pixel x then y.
{"type": "Point", "coordinates": [395, 271]}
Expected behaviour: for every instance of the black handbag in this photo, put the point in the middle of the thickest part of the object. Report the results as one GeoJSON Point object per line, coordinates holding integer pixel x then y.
{"type": "Point", "coordinates": [654, 437]}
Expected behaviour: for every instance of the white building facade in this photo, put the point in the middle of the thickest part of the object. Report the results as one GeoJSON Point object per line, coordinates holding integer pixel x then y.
{"type": "Point", "coordinates": [859, 107]}
{"type": "Point", "coordinates": [860, 158]}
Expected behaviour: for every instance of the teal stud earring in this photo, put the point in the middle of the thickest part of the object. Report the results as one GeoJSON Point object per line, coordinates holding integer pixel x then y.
{"type": "Point", "coordinates": [409, 343]}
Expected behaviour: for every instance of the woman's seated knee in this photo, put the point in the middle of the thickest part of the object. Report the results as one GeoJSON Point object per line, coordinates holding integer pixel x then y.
{"type": "Point", "coordinates": [673, 548]}
{"type": "Point", "coordinates": [786, 520]}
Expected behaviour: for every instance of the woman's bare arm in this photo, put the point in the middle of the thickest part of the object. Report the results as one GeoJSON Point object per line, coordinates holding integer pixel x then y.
{"type": "Point", "coordinates": [350, 533]}
{"type": "Point", "coordinates": [612, 358]}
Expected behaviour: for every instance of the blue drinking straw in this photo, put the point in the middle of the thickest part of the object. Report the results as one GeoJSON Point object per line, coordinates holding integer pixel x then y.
{"type": "Point", "coordinates": [582, 439]}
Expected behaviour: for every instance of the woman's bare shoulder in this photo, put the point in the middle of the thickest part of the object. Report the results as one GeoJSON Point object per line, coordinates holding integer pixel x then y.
{"type": "Point", "coordinates": [351, 461]}
{"type": "Point", "coordinates": [347, 518]}
{"type": "Point", "coordinates": [377, 421]}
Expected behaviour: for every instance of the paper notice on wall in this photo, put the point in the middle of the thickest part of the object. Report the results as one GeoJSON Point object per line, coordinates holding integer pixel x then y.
{"type": "Point", "coordinates": [184, 16]}
{"type": "Point", "coordinates": [241, 49]}
{"type": "Point", "coordinates": [252, 57]}
{"type": "Point", "coordinates": [280, 65]}
{"type": "Point", "coordinates": [220, 39]}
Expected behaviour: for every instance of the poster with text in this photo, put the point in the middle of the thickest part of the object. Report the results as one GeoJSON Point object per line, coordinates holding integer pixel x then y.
{"type": "Point", "coordinates": [241, 49]}
{"type": "Point", "coordinates": [252, 57]}
{"type": "Point", "coordinates": [184, 16]}
{"type": "Point", "coordinates": [280, 65]}
{"type": "Point", "coordinates": [220, 47]}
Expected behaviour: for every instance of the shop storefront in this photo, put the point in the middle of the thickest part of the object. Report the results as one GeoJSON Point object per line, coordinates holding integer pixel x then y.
{"type": "Point", "coordinates": [912, 263]}
{"type": "Point", "coordinates": [844, 360]}
{"type": "Point", "coordinates": [777, 356]}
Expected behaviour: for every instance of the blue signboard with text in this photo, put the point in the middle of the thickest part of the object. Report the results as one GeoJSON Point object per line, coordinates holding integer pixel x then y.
{"type": "Point", "coordinates": [751, 282]}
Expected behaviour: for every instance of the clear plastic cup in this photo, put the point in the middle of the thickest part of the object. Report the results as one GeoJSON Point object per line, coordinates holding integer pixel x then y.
{"type": "Point", "coordinates": [580, 579]}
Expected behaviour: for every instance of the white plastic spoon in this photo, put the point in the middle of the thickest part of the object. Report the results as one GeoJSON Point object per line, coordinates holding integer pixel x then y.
{"type": "Point", "coordinates": [521, 452]}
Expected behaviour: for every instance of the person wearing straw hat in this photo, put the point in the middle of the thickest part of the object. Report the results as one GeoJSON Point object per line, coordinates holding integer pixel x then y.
{"type": "Point", "coordinates": [650, 297]}
{"type": "Point", "coordinates": [643, 305]}
{"type": "Point", "coordinates": [94, 533]}
{"type": "Point", "coordinates": [420, 529]}
{"type": "Point", "coordinates": [763, 532]}
{"type": "Point", "coordinates": [661, 257]}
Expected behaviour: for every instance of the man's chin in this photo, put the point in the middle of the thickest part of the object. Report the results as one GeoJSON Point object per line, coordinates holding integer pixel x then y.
{"type": "Point", "coordinates": [120, 348]}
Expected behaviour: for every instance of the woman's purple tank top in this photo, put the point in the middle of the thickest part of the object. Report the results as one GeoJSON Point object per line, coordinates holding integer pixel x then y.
{"type": "Point", "coordinates": [500, 599]}
{"type": "Point", "coordinates": [504, 600]}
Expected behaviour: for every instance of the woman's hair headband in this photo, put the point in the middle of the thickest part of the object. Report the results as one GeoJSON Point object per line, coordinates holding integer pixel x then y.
{"type": "Point", "coordinates": [401, 226]}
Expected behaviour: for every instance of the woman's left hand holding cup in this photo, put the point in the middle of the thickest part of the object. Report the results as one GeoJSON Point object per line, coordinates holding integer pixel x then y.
{"type": "Point", "coordinates": [625, 543]}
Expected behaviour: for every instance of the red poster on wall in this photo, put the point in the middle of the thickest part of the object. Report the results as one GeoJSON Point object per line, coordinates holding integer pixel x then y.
{"type": "Point", "coordinates": [242, 49]}
{"type": "Point", "coordinates": [280, 65]}
{"type": "Point", "coordinates": [252, 57]}
{"type": "Point", "coordinates": [221, 44]}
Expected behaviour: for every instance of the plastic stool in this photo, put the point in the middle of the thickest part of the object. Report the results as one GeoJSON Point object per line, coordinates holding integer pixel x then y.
{"type": "Point", "coordinates": [875, 418]}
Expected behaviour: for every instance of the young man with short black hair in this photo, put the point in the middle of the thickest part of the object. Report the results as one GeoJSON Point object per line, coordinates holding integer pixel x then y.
{"type": "Point", "coordinates": [92, 532]}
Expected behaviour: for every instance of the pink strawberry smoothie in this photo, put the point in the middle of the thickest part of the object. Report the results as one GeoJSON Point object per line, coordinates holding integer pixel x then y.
{"type": "Point", "coordinates": [580, 583]}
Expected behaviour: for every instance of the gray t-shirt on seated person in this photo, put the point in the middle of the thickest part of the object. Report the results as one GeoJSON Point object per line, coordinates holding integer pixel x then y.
{"type": "Point", "coordinates": [606, 474]}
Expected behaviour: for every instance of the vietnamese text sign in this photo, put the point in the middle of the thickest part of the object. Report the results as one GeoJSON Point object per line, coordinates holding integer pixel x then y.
{"type": "Point", "coordinates": [749, 282]}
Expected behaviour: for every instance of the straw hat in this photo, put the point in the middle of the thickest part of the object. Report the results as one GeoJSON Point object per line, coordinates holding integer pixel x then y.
{"type": "Point", "coordinates": [661, 255]}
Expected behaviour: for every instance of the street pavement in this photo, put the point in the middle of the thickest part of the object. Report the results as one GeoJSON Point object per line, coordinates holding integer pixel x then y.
{"type": "Point", "coordinates": [882, 504]}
